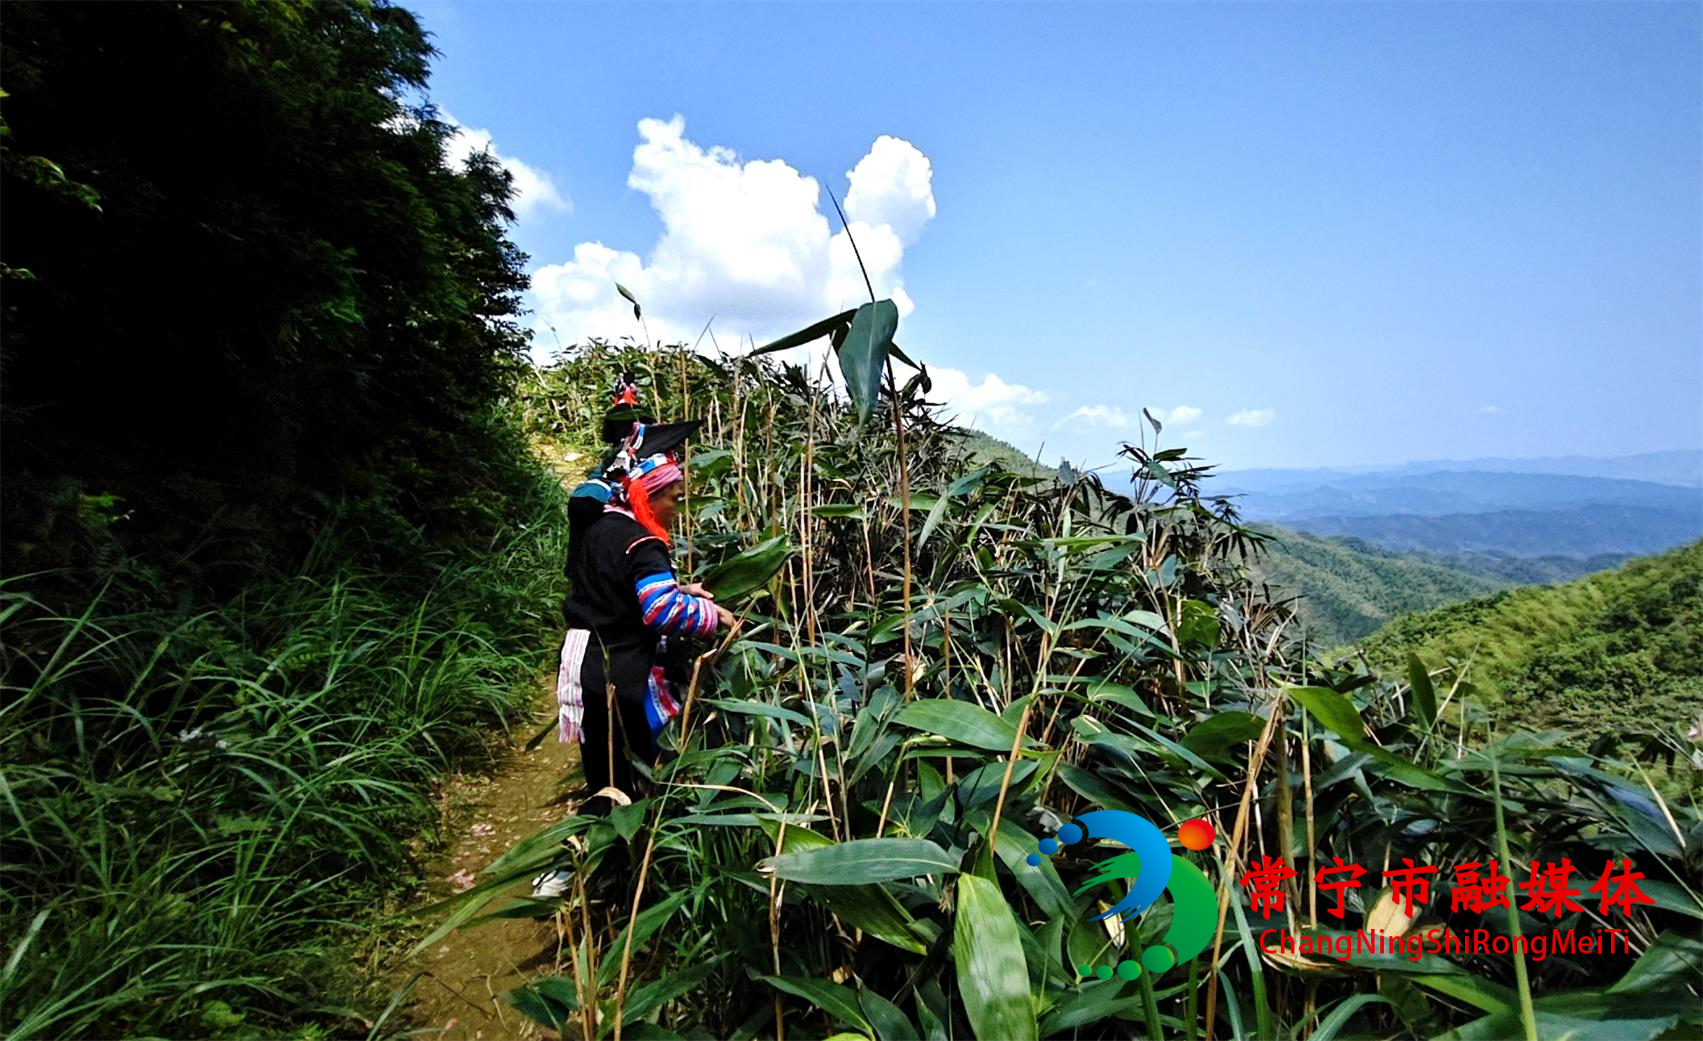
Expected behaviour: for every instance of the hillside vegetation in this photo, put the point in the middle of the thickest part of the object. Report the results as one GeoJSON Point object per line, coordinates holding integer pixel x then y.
{"type": "Point", "coordinates": [1622, 650]}
{"type": "Point", "coordinates": [1347, 588]}
{"type": "Point", "coordinates": [919, 695]}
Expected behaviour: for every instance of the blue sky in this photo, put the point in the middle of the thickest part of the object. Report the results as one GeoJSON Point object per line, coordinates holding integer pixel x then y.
{"type": "Point", "coordinates": [1310, 235]}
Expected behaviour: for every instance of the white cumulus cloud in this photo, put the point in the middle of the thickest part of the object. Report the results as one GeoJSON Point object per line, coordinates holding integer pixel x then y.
{"type": "Point", "coordinates": [991, 405]}
{"type": "Point", "coordinates": [1252, 417]}
{"type": "Point", "coordinates": [535, 191]}
{"type": "Point", "coordinates": [1489, 410]}
{"type": "Point", "coordinates": [1180, 414]}
{"type": "Point", "coordinates": [892, 186]}
{"type": "Point", "coordinates": [1098, 415]}
{"type": "Point", "coordinates": [747, 242]}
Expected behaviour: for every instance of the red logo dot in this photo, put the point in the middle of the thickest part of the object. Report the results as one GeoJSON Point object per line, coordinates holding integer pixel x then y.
{"type": "Point", "coordinates": [1195, 834]}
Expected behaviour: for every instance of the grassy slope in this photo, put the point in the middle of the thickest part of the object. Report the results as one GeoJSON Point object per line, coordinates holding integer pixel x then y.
{"type": "Point", "coordinates": [1623, 649]}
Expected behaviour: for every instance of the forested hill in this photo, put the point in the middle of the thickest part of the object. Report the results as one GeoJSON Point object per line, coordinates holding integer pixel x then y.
{"type": "Point", "coordinates": [1622, 650]}
{"type": "Point", "coordinates": [1348, 587]}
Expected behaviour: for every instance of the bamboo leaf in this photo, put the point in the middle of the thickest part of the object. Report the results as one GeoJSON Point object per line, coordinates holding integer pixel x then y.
{"type": "Point", "coordinates": [749, 571]}
{"type": "Point", "coordinates": [993, 976]}
{"type": "Point", "coordinates": [863, 860]}
{"type": "Point", "coordinates": [888, 1022]}
{"type": "Point", "coordinates": [863, 354]}
{"type": "Point", "coordinates": [959, 721]}
{"type": "Point", "coordinates": [631, 299]}
{"type": "Point", "coordinates": [835, 999]}
{"type": "Point", "coordinates": [810, 332]}
{"type": "Point", "coordinates": [1424, 696]}
{"type": "Point", "coordinates": [1213, 735]}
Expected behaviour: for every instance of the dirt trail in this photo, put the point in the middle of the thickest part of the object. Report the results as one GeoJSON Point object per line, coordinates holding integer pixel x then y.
{"type": "Point", "coordinates": [468, 972]}
{"type": "Point", "coordinates": [461, 997]}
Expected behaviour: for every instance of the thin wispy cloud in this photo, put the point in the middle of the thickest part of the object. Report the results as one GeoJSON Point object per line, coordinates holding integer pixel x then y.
{"type": "Point", "coordinates": [1180, 414]}
{"type": "Point", "coordinates": [1097, 415]}
{"type": "Point", "coordinates": [1252, 417]}
{"type": "Point", "coordinates": [1489, 410]}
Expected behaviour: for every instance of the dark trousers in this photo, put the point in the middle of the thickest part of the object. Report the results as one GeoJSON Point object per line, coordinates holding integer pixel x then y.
{"type": "Point", "coordinates": [611, 744]}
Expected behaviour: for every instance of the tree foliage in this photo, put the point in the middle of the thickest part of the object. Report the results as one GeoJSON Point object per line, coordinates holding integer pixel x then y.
{"type": "Point", "coordinates": [242, 286]}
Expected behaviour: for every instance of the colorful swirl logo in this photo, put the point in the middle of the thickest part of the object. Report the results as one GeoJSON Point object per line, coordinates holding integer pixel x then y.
{"type": "Point", "coordinates": [1151, 869]}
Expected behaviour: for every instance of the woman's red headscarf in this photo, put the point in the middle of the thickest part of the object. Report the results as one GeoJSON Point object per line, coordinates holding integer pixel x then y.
{"type": "Point", "coordinates": [654, 474]}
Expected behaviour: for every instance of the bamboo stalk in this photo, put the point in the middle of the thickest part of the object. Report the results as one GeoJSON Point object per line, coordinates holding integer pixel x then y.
{"type": "Point", "coordinates": [1528, 1016]}
{"type": "Point", "coordinates": [1233, 861]}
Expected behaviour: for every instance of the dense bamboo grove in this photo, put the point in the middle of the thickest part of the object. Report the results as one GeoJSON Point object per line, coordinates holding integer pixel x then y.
{"type": "Point", "coordinates": [861, 775]}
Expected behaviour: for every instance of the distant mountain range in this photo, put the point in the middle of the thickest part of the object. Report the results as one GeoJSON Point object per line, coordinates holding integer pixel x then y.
{"type": "Point", "coordinates": [1468, 508]}
{"type": "Point", "coordinates": [1682, 467]}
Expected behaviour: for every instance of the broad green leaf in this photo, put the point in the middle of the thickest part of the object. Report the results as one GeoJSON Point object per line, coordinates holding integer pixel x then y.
{"type": "Point", "coordinates": [1041, 881]}
{"type": "Point", "coordinates": [631, 299]}
{"type": "Point", "coordinates": [1211, 736]}
{"type": "Point", "coordinates": [960, 722]}
{"type": "Point", "coordinates": [1553, 1026]}
{"type": "Point", "coordinates": [888, 1022]}
{"type": "Point", "coordinates": [1333, 710]}
{"type": "Point", "coordinates": [863, 860]}
{"type": "Point", "coordinates": [873, 909]}
{"type": "Point", "coordinates": [1092, 1003]}
{"type": "Point", "coordinates": [1339, 715]}
{"type": "Point", "coordinates": [1199, 624]}
{"type": "Point", "coordinates": [545, 1001]}
{"type": "Point", "coordinates": [863, 354]}
{"type": "Point", "coordinates": [838, 509]}
{"type": "Point", "coordinates": [981, 785]}
{"type": "Point", "coordinates": [749, 571]}
{"type": "Point", "coordinates": [759, 708]}
{"type": "Point", "coordinates": [1480, 993]}
{"type": "Point", "coordinates": [1424, 696]}
{"type": "Point", "coordinates": [836, 999]}
{"type": "Point", "coordinates": [796, 840]}
{"type": "Point", "coordinates": [1338, 1016]}
{"type": "Point", "coordinates": [810, 332]}
{"type": "Point", "coordinates": [955, 489]}
{"type": "Point", "coordinates": [643, 928]}
{"type": "Point", "coordinates": [648, 998]}
{"type": "Point", "coordinates": [1670, 965]}
{"type": "Point", "coordinates": [993, 976]}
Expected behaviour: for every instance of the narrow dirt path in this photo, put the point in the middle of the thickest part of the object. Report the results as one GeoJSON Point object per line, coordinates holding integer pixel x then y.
{"type": "Point", "coordinates": [468, 972]}
{"type": "Point", "coordinates": [461, 997]}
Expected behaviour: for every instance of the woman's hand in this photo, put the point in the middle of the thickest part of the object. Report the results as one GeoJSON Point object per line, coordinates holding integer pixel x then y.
{"type": "Point", "coordinates": [724, 618]}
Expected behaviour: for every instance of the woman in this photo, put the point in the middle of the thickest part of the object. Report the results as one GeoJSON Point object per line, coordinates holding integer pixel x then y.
{"type": "Point", "coordinates": [612, 692]}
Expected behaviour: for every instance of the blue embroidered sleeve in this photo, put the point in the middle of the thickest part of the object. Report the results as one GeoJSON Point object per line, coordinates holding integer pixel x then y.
{"type": "Point", "coordinates": [668, 609]}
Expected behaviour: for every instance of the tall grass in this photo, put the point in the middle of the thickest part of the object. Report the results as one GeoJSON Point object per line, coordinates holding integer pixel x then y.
{"type": "Point", "coordinates": [201, 808]}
